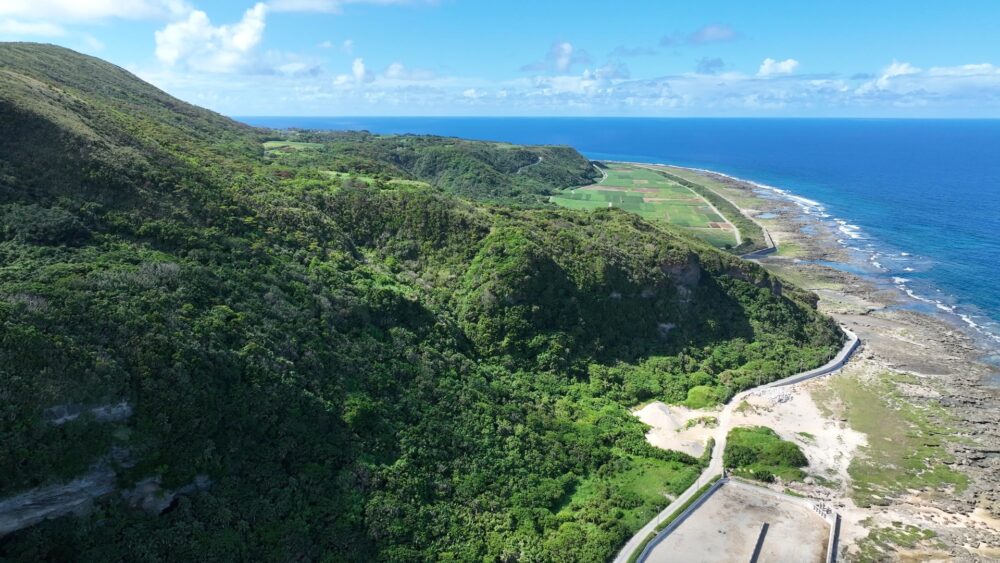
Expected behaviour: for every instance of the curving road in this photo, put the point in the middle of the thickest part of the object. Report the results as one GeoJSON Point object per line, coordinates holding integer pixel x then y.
{"type": "Point", "coordinates": [536, 163]}
{"type": "Point", "coordinates": [725, 424]}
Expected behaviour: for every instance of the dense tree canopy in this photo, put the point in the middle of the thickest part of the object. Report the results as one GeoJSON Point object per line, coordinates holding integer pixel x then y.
{"type": "Point", "coordinates": [378, 348]}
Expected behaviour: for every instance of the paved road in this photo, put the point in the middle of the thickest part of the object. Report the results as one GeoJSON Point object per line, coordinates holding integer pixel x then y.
{"type": "Point", "coordinates": [722, 430]}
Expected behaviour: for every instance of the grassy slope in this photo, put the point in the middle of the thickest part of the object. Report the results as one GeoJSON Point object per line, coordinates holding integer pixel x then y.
{"type": "Point", "coordinates": [380, 370]}
{"type": "Point", "coordinates": [904, 450]}
{"type": "Point", "coordinates": [759, 453]}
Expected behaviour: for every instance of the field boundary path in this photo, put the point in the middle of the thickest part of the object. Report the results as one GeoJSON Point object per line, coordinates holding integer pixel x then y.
{"type": "Point", "coordinates": [654, 196]}
{"type": "Point", "coordinates": [736, 231]}
{"type": "Point", "coordinates": [721, 432]}
{"type": "Point", "coordinates": [770, 247]}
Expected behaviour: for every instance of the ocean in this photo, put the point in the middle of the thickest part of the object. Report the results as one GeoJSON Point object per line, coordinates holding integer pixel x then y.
{"type": "Point", "coordinates": [917, 200]}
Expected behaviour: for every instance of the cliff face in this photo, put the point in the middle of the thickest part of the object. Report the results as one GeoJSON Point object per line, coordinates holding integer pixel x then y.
{"type": "Point", "coordinates": [52, 501]}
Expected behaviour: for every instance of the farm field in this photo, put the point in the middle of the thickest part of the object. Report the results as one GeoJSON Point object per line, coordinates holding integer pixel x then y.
{"type": "Point", "coordinates": [371, 180]}
{"type": "Point", "coordinates": [290, 145]}
{"type": "Point", "coordinates": [655, 197]}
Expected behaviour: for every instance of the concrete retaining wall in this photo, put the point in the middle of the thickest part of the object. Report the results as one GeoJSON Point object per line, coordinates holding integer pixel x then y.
{"type": "Point", "coordinates": [660, 536]}
{"type": "Point", "coordinates": [759, 253]}
{"type": "Point", "coordinates": [833, 365]}
{"type": "Point", "coordinates": [832, 518]}
{"type": "Point", "coordinates": [831, 546]}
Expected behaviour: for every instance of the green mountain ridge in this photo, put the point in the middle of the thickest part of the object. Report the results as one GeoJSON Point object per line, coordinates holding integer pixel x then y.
{"type": "Point", "coordinates": [376, 347]}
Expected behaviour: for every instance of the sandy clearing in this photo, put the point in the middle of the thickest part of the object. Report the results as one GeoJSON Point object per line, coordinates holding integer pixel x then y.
{"type": "Point", "coordinates": [791, 412]}
{"type": "Point", "coordinates": [828, 444]}
{"type": "Point", "coordinates": [668, 427]}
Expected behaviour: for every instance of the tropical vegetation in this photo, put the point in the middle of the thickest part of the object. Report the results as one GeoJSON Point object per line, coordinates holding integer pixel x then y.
{"type": "Point", "coordinates": [376, 348]}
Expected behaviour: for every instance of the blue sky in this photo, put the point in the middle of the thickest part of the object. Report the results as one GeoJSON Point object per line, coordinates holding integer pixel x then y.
{"type": "Point", "coordinates": [479, 57]}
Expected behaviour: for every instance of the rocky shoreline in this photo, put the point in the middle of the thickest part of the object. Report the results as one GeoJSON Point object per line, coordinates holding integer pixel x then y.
{"type": "Point", "coordinates": [944, 377]}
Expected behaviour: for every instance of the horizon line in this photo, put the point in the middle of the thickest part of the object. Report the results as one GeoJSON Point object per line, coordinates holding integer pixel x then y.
{"type": "Point", "coordinates": [754, 117]}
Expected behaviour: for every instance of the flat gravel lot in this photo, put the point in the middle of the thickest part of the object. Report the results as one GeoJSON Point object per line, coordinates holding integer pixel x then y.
{"type": "Point", "coordinates": [725, 528]}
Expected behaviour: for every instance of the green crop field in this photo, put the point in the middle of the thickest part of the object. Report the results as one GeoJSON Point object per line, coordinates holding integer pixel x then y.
{"type": "Point", "coordinates": [652, 196]}
{"type": "Point", "coordinates": [290, 145]}
{"type": "Point", "coordinates": [371, 181]}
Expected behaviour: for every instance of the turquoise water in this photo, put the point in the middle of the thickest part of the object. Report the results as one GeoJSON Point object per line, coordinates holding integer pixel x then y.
{"type": "Point", "coordinates": [918, 200]}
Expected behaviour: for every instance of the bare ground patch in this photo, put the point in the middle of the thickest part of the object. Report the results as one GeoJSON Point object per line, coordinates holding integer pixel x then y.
{"type": "Point", "coordinates": [726, 528]}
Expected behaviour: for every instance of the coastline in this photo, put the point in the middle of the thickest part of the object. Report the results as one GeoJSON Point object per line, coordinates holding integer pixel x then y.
{"type": "Point", "coordinates": [930, 365]}
{"type": "Point", "coordinates": [847, 237]}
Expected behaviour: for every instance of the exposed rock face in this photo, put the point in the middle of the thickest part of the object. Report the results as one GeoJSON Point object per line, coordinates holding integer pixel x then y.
{"type": "Point", "coordinates": [665, 328]}
{"type": "Point", "coordinates": [150, 496]}
{"type": "Point", "coordinates": [61, 414]}
{"type": "Point", "coordinates": [75, 497]}
{"type": "Point", "coordinates": [770, 283]}
{"type": "Point", "coordinates": [686, 276]}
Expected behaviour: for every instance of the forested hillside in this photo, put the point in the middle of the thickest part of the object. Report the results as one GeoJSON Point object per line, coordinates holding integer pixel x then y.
{"type": "Point", "coordinates": [356, 341]}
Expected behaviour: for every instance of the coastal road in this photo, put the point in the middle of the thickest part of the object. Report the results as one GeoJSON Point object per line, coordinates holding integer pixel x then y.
{"type": "Point", "coordinates": [720, 434]}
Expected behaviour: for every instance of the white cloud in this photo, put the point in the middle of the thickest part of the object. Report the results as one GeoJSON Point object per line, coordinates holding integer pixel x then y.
{"type": "Point", "coordinates": [612, 71]}
{"type": "Point", "coordinates": [560, 58]}
{"type": "Point", "coordinates": [712, 33]}
{"type": "Point", "coordinates": [771, 67]}
{"type": "Point", "coordinates": [981, 69]}
{"type": "Point", "coordinates": [90, 10]}
{"type": "Point", "coordinates": [296, 67]}
{"type": "Point", "coordinates": [708, 65]}
{"type": "Point", "coordinates": [333, 6]}
{"type": "Point", "coordinates": [562, 54]}
{"type": "Point", "coordinates": [359, 75]}
{"type": "Point", "coordinates": [304, 6]}
{"type": "Point", "coordinates": [358, 70]}
{"type": "Point", "coordinates": [962, 90]}
{"type": "Point", "coordinates": [197, 44]}
{"type": "Point", "coordinates": [893, 70]}
{"type": "Point", "coordinates": [885, 80]}
{"type": "Point", "coordinates": [396, 71]}
{"type": "Point", "coordinates": [18, 28]}
{"type": "Point", "coordinates": [346, 46]}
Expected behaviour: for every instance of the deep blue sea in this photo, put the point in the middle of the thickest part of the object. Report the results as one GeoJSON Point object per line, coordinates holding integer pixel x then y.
{"type": "Point", "coordinates": [919, 200]}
